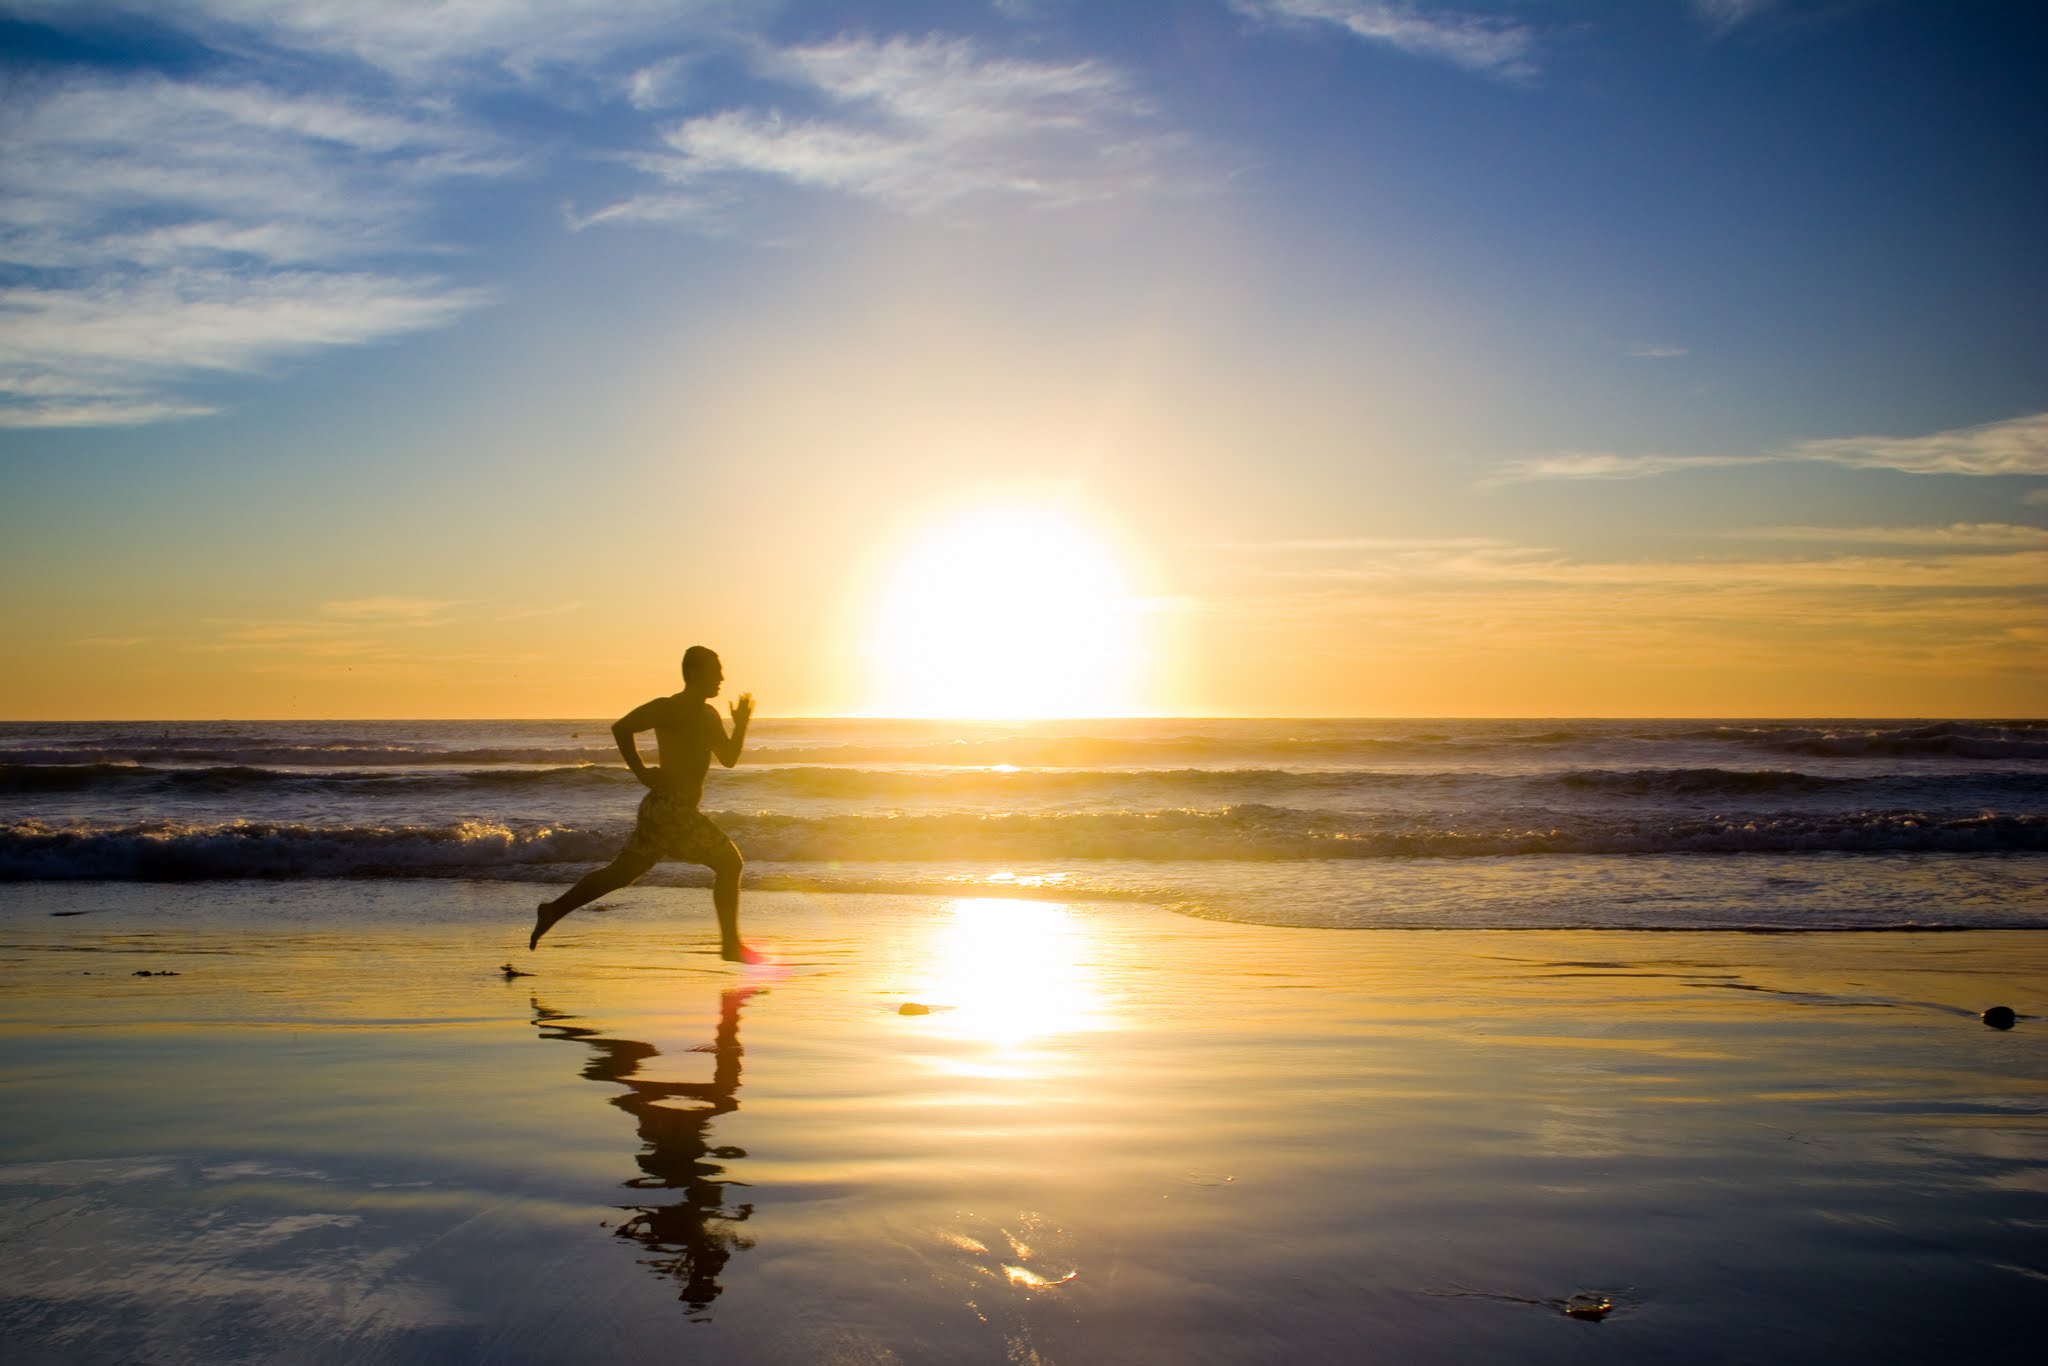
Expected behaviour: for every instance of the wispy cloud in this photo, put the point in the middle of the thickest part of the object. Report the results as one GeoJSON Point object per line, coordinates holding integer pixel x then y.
{"type": "Point", "coordinates": [1609, 465]}
{"type": "Point", "coordinates": [2016, 446]}
{"type": "Point", "coordinates": [400, 611]}
{"type": "Point", "coordinates": [1480, 43]}
{"type": "Point", "coordinates": [382, 636]}
{"type": "Point", "coordinates": [158, 229]}
{"type": "Point", "coordinates": [1892, 557]}
{"type": "Point", "coordinates": [551, 609]}
{"type": "Point", "coordinates": [1394, 544]}
{"type": "Point", "coordinates": [915, 124]}
{"type": "Point", "coordinates": [1952, 606]}
{"type": "Point", "coordinates": [1722, 16]}
{"type": "Point", "coordinates": [1658, 351]}
{"type": "Point", "coordinates": [1956, 535]}
{"type": "Point", "coordinates": [423, 43]}
{"type": "Point", "coordinates": [659, 85]}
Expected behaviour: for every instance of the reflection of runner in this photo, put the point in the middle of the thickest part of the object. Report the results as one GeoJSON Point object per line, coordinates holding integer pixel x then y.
{"type": "Point", "coordinates": [693, 1238]}
{"type": "Point", "coordinates": [687, 733]}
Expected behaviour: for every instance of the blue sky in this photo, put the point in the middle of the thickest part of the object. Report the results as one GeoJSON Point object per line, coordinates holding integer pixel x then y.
{"type": "Point", "coordinates": [1663, 356]}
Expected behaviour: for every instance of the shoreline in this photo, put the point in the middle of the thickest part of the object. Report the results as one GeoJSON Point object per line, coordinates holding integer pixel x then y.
{"type": "Point", "coordinates": [1116, 1133]}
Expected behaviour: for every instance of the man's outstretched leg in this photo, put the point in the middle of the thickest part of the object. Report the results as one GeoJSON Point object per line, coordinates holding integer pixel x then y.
{"type": "Point", "coordinates": [629, 867]}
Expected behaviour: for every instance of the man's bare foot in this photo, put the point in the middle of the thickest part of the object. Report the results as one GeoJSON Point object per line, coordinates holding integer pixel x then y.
{"type": "Point", "coordinates": [740, 953]}
{"type": "Point", "coordinates": [544, 920]}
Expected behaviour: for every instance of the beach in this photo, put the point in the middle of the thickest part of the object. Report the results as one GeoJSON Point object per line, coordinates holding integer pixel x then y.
{"type": "Point", "coordinates": [974, 1128]}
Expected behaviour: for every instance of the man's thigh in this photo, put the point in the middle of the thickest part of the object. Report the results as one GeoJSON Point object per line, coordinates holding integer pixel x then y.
{"type": "Point", "coordinates": [703, 843]}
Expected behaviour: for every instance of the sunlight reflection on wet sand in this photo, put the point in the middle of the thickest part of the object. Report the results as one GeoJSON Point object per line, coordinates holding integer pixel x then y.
{"type": "Point", "coordinates": [1012, 973]}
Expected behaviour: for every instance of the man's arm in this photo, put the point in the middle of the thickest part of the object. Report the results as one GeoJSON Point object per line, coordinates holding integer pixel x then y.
{"type": "Point", "coordinates": [727, 747]}
{"type": "Point", "coordinates": [643, 717]}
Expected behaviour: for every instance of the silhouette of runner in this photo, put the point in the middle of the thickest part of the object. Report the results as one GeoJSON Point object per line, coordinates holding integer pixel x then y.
{"type": "Point", "coordinates": [687, 733]}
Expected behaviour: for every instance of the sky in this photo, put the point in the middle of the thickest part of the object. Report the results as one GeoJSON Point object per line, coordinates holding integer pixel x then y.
{"type": "Point", "coordinates": [369, 358]}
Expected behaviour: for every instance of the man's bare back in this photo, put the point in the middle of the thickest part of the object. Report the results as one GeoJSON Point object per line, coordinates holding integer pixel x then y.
{"type": "Point", "coordinates": [688, 735]}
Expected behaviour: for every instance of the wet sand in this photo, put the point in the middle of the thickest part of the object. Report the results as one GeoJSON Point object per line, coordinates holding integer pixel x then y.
{"type": "Point", "coordinates": [340, 1133]}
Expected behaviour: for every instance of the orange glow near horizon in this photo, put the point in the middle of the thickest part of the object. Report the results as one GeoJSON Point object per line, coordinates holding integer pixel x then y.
{"type": "Point", "coordinates": [1012, 613]}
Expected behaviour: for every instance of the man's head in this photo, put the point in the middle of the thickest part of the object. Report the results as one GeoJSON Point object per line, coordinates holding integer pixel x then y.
{"type": "Point", "coordinates": [701, 670]}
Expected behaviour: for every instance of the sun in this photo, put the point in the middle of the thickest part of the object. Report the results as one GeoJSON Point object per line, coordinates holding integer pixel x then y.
{"type": "Point", "coordinates": [1007, 612]}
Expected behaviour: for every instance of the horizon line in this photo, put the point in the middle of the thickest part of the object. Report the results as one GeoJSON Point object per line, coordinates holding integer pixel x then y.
{"type": "Point", "coordinates": [1041, 720]}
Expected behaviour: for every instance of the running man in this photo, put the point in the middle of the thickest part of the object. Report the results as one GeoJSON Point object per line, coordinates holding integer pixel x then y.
{"type": "Point", "coordinates": [688, 733]}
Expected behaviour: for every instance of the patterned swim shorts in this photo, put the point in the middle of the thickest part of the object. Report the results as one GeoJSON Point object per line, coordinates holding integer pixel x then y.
{"type": "Point", "coordinates": [672, 829]}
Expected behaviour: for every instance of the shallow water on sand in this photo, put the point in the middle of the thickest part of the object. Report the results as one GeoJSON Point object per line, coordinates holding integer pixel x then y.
{"type": "Point", "coordinates": [1114, 1134]}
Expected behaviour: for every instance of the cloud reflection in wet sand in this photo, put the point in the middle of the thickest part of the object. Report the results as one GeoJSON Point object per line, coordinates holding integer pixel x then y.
{"type": "Point", "coordinates": [183, 1278]}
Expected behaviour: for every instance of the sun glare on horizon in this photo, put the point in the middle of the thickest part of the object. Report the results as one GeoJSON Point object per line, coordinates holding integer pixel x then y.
{"type": "Point", "coordinates": [1010, 613]}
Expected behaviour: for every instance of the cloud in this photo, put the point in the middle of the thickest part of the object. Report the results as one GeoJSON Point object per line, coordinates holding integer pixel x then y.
{"type": "Point", "coordinates": [90, 355]}
{"type": "Point", "coordinates": [400, 611]}
{"type": "Point", "coordinates": [1025, 11]}
{"type": "Point", "coordinates": [2015, 446]}
{"type": "Point", "coordinates": [281, 1269]}
{"type": "Point", "coordinates": [101, 412]}
{"type": "Point", "coordinates": [1475, 42]}
{"type": "Point", "coordinates": [1956, 535]}
{"type": "Point", "coordinates": [1919, 557]}
{"type": "Point", "coordinates": [353, 628]}
{"type": "Point", "coordinates": [1658, 350]}
{"type": "Point", "coordinates": [1722, 16]}
{"type": "Point", "coordinates": [415, 42]}
{"type": "Point", "coordinates": [1608, 465]}
{"type": "Point", "coordinates": [1948, 608]}
{"type": "Point", "coordinates": [659, 85]}
{"type": "Point", "coordinates": [1369, 543]}
{"type": "Point", "coordinates": [552, 609]}
{"type": "Point", "coordinates": [914, 124]}
{"type": "Point", "coordinates": [158, 229]}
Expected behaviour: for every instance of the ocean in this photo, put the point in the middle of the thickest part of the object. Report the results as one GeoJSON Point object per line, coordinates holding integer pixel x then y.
{"type": "Point", "coordinates": [1414, 824]}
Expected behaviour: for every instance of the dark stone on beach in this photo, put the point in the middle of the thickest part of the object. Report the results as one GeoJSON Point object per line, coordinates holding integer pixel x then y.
{"type": "Point", "coordinates": [2001, 1017]}
{"type": "Point", "coordinates": [913, 1008]}
{"type": "Point", "coordinates": [1591, 1308]}
{"type": "Point", "coordinates": [145, 972]}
